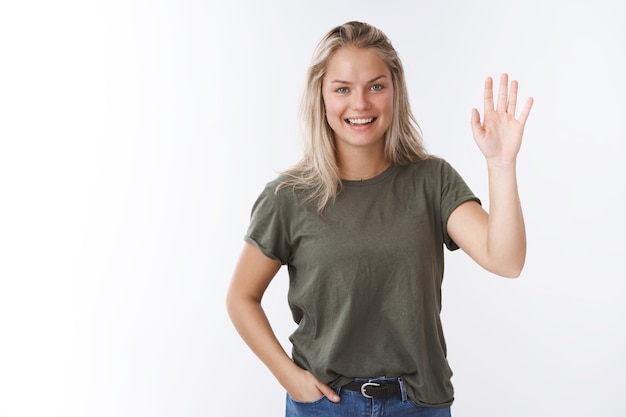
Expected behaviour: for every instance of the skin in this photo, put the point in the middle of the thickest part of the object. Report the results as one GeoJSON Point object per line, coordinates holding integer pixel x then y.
{"type": "Point", "coordinates": [358, 85]}
{"type": "Point", "coordinates": [495, 240]}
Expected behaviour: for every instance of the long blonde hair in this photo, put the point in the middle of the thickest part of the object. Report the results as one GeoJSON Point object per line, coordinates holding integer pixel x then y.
{"type": "Point", "coordinates": [317, 172]}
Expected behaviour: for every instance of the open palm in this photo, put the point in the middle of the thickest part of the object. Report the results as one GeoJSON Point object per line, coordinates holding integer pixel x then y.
{"type": "Point", "coordinates": [499, 134]}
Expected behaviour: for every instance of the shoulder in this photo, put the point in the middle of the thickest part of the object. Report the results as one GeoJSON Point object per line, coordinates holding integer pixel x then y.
{"type": "Point", "coordinates": [434, 174]}
{"type": "Point", "coordinates": [431, 166]}
{"type": "Point", "coordinates": [276, 185]}
{"type": "Point", "coordinates": [280, 193]}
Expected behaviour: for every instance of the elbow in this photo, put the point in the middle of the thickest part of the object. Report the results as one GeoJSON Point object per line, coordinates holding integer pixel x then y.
{"type": "Point", "coordinates": [233, 303]}
{"type": "Point", "coordinates": [230, 305]}
{"type": "Point", "coordinates": [509, 266]}
{"type": "Point", "coordinates": [512, 269]}
{"type": "Point", "coordinates": [238, 303]}
{"type": "Point", "coordinates": [511, 273]}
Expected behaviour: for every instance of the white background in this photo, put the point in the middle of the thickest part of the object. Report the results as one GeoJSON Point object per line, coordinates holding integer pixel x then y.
{"type": "Point", "coordinates": [135, 136]}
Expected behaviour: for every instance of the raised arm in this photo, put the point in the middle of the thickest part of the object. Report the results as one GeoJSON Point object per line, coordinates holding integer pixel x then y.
{"type": "Point", "coordinates": [253, 274]}
{"type": "Point", "coordinates": [496, 240]}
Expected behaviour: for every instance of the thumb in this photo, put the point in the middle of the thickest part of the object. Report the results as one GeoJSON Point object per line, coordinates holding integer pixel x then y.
{"type": "Point", "coordinates": [328, 392]}
{"type": "Point", "coordinates": [477, 127]}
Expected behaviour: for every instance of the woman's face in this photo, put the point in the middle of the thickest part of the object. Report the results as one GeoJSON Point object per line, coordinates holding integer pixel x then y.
{"type": "Point", "coordinates": [358, 94]}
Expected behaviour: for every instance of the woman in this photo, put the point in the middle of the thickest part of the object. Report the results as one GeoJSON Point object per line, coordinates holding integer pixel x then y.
{"type": "Point", "coordinates": [360, 223]}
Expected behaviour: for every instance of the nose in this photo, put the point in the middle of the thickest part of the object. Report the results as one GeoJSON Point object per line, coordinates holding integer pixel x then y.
{"type": "Point", "coordinates": [360, 100]}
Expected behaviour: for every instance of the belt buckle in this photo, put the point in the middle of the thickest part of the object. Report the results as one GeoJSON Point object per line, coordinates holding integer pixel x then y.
{"type": "Point", "coordinates": [368, 384]}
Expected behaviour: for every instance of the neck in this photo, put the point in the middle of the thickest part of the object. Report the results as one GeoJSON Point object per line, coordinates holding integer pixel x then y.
{"type": "Point", "coordinates": [362, 168]}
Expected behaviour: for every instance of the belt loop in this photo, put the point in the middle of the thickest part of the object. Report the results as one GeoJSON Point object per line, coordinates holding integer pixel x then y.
{"type": "Point", "coordinates": [402, 390]}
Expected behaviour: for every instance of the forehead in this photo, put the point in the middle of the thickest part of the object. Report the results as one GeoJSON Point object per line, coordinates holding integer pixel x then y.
{"type": "Point", "coordinates": [354, 64]}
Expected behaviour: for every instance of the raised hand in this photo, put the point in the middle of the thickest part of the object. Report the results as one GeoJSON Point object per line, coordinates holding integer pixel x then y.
{"type": "Point", "coordinates": [499, 134]}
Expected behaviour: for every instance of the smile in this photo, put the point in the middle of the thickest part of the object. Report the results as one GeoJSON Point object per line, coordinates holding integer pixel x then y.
{"type": "Point", "coordinates": [360, 121]}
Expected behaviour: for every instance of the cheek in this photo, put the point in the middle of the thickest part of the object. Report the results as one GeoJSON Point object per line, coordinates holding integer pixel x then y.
{"type": "Point", "coordinates": [333, 120]}
{"type": "Point", "coordinates": [332, 105]}
{"type": "Point", "coordinates": [333, 115]}
{"type": "Point", "coordinates": [388, 104]}
{"type": "Point", "coordinates": [332, 109]}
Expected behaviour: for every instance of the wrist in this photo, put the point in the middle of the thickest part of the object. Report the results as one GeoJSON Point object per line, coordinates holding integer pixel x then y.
{"type": "Point", "coordinates": [289, 375]}
{"type": "Point", "coordinates": [501, 164]}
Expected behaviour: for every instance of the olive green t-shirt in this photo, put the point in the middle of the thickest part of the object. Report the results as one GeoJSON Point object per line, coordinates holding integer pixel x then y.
{"type": "Point", "coordinates": [365, 276]}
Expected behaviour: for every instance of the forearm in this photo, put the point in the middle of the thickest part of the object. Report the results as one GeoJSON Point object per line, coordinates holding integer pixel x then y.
{"type": "Point", "coordinates": [506, 236]}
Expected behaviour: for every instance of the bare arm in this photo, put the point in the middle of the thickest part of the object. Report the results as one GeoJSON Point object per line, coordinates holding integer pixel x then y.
{"type": "Point", "coordinates": [253, 274]}
{"type": "Point", "coordinates": [496, 240]}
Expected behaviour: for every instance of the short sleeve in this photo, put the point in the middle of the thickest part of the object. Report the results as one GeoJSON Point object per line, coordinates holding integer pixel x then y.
{"type": "Point", "coordinates": [454, 192]}
{"type": "Point", "coordinates": [268, 229]}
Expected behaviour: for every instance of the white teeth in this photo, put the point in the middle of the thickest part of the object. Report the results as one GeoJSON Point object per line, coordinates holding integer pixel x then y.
{"type": "Point", "coordinates": [361, 121]}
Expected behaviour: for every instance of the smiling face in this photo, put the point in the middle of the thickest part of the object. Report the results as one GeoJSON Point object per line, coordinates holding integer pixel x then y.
{"type": "Point", "coordinates": [358, 95]}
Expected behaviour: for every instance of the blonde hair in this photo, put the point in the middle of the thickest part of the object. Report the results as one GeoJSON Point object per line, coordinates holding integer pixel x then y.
{"type": "Point", "coordinates": [317, 173]}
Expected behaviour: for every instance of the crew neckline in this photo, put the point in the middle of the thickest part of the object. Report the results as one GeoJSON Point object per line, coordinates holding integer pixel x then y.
{"type": "Point", "coordinates": [370, 181]}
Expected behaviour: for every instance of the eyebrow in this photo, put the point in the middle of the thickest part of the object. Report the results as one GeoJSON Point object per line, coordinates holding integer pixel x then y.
{"type": "Point", "coordinates": [347, 82]}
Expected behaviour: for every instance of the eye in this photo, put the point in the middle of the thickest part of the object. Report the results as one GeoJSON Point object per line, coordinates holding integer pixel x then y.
{"type": "Point", "coordinates": [376, 87]}
{"type": "Point", "coordinates": [342, 90]}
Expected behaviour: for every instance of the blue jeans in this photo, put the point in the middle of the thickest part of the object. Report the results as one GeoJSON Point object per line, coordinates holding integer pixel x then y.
{"type": "Point", "coordinates": [354, 404]}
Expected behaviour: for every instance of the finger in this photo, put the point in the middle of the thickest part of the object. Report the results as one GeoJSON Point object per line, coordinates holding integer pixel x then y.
{"type": "Point", "coordinates": [329, 393]}
{"type": "Point", "coordinates": [503, 93]}
{"type": "Point", "coordinates": [488, 95]}
{"type": "Point", "coordinates": [526, 111]}
{"type": "Point", "coordinates": [512, 104]}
